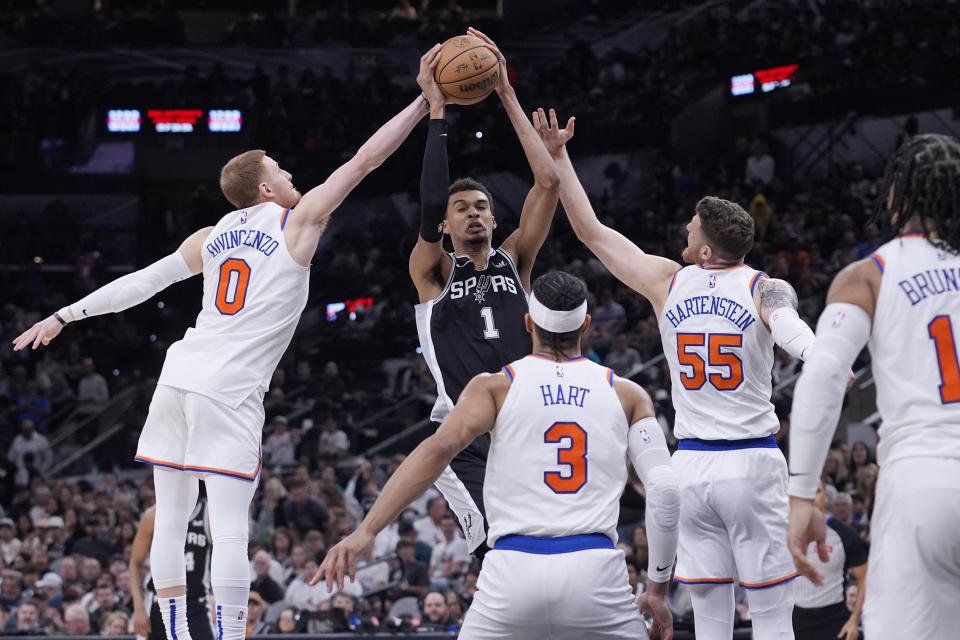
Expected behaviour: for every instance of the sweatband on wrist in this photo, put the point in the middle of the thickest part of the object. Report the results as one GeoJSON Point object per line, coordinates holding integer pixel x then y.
{"type": "Point", "coordinates": [842, 332]}
{"type": "Point", "coordinates": [131, 289]}
{"type": "Point", "coordinates": [434, 182]}
{"type": "Point", "coordinates": [556, 321]}
{"type": "Point", "coordinates": [56, 314]}
{"type": "Point", "coordinates": [792, 334]}
{"type": "Point", "coordinates": [647, 449]}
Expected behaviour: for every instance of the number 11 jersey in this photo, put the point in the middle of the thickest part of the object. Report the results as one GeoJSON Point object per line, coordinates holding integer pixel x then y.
{"type": "Point", "coordinates": [475, 326]}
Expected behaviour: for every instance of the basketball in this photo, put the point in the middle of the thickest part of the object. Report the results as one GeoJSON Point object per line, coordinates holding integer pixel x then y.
{"type": "Point", "coordinates": [467, 70]}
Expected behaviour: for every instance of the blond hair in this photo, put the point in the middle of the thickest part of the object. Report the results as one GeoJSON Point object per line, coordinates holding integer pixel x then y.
{"type": "Point", "coordinates": [240, 178]}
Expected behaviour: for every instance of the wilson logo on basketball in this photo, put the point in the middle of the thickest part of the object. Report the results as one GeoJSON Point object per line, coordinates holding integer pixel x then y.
{"type": "Point", "coordinates": [480, 85]}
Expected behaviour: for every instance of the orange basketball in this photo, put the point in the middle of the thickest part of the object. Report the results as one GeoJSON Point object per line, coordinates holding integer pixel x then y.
{"type": "Point", "coordinates": [467, 70]}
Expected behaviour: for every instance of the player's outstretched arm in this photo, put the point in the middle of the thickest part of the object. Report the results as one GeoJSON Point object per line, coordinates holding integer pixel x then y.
{"type": "Point", "coordinates": [474, 414]}
{"type": "Point", "coordinates": [426, 258]}
{"type": "Point", "coordinates": [646, 274]}
{"type": "Point", "coordinates": [541, 202]}
{"type": "Point", "coordinates": [316, 206]}
{"type": "Point", "coordinates": [842, 332]}
{"type": "Point", "coordinates": [122, 293]}
{"type": "Point", "coordinates": [138, 555]}
{"type": "Point", "coordinates": [647, 450]}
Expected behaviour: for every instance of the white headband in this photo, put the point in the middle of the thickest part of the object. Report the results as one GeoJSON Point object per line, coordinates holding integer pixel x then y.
{"type": "Point", "coordinates": [557, 321]}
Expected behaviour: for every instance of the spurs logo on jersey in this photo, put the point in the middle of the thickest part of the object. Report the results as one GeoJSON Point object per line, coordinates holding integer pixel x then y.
{"type": "Point", "coordinates": [474, 326]}
{"type": "Point", "coordinates": [913, 344]}
{"type": "Point", "coordinates": [720, 355]}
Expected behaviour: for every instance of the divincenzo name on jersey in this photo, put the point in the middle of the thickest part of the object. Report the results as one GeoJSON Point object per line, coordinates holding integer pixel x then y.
{"type": "Point", "coordinates": [262, 242]}
{"type": "Point", "coordinates": [711, 305]}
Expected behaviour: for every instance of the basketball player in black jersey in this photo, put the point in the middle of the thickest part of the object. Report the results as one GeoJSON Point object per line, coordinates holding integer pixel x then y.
{"type": "Point", "coordinates": [197, 560]}
{"type": "Point", "coordinates": [472, 301]}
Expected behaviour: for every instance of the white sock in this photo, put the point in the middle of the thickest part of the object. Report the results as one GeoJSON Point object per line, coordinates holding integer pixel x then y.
{"type": "Point", "coordinates": [231, 622]}
{"type": "Point", "coordinates": [174, 614]}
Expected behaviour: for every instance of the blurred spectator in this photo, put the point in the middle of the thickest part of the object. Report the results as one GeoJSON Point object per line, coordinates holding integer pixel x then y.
{"type": "Point", "coordinates": [332, 385]}
{"type": "Point", "coordinates": [622, 358]}
{"type": "Point", "coordinates": [106, 604]}
{"type": "Point", "coordinates": [450, 556]}
{"type": "Point", "coordinates": [92, 391]}
{"type": "Point", "coordinates": [303, 378]}
{"type": "Point", "coordinates": [9, 543]}
{"type": "Point", "coordinates": [256, 607]}
{"type": "Point", "coordinates": [454, 607]}
{"type": "Point", "coordinates": [333, 441]}
{"type": "Point", "coordinates": [264, 585]}
{"type": "Point", "coordinates": [760, 166]}
{"type": "Point", "coordinates": [299, 592]}
{"type": "Point", "coordinates": [30, 452]}
{"type": "Point", "coordinates": [76, 620]}
{"type": "Point", "coordinates": [609, 317]}
{"type": "Point", "coordinates": [850, 597]}
{"type": "Point", "coordinates": [634, 572]}
{"type": "Point", "coordinates": [303, 512]}
{"type": "Point", "coordinates": [11, 589]}
{"type": "Point", "coordinates": [422, 550]}
{"type": "Point", "coordinates": [842, 508]}
{"type": "Point", "coordinates": [34, 406]}
{"type": "Point", "coordinates": [116, 624]}
{"type": "Point", "coordinates": [280, 447]}
{"type": "Point", "coordinates": [428, 527]}
{"type": "Point", "coordinates": [436, 614]}
{"type": "Point", "coordinates": [26, 620]}
{"type": "Point", "coordinates": [413, 576]}
{"type": "Point", "coordinates": [286, 621]}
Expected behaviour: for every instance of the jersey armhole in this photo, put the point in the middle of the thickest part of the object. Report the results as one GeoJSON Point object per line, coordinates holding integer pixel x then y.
{"type": "Point", "coordinates": [510, 372]}
{"type": "Point", "coordinates": [755, 279]}
{"type": "Point", "coordinates": [283, 218]}
{"type": "Point", "coordinates": [878, 260]}
{"type": "Point", "coordinates": [673, 280]}
{"type": "Point", "coordinates": [610, 377]}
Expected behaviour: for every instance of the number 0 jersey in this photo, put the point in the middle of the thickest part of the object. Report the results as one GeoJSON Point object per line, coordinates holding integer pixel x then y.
{"type": "Point", "coordinates": [914, 350]}
{"type": "Point", "coordinates": [557, 461]}
{"type": "Point", "coordinates": [253, 295]}
{"type": "Point", "coordinates": [720, 355]}
{"type": "Point", "coordinates": [475, 326]}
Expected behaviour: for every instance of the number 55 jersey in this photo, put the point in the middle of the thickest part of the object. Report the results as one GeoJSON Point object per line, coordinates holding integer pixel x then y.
{"type": "Point", "coordinates": [720, 355]}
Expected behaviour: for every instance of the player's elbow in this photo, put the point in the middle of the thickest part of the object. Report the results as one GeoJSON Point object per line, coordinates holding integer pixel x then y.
{"type": "Point", "coordinates": [663, 496]}
{"type": "Point", "coordinates": [367, 160]}
{"type": "Point", "coordinates": [548, 179]}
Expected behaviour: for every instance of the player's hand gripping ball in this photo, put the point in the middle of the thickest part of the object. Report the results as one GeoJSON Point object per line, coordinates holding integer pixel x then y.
{"type": "Point", "coordinates": [467, 71]}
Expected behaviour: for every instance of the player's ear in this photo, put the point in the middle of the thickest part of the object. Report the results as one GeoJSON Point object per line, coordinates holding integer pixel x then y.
{"type": "Point", "coordinates": [586, 325]}
{"type": "Point", "coordinates": [443, 227]}
{"type": "Point", "coordinates": [528, 323]}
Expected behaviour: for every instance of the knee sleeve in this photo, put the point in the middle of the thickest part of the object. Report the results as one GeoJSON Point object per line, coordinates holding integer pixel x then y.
{"type": "Point", "coordinates": [229, 504]}
{"type": "Point", "coordinates": [771, 610]}
{"type": "Point", "coordinates": [176, 498]}
{"type": "Point", "coordinates": [713, 611]}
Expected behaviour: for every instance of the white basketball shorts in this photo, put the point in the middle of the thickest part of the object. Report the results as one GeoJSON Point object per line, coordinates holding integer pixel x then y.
{"type": "Point", "coordinates": [191, 432]}
{"type": "Point", "coordinates": [733, 514]}
{"type": "Point", "coordinates": [578, 595]}
{"type": "Point", "coordinates": [913, 575]}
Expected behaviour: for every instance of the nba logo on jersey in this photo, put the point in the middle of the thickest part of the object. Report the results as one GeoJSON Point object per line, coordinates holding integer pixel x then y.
{"type": "Point", "coordinates": [645, 436]}
{"type": "Point", "coordinates": [838, 320]}
{"type": "Point", "coordinates": [243, 216]}
{"type": "Point", "coordinates": [559, 371]}
{"type": "Point", "coordinates": [713, 282]}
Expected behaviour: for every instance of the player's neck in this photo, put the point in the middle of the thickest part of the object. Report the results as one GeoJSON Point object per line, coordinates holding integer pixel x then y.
{"type": "Point", "coordinates": [568, 354]}
{"type": "Point", "coordinates": [478, 254]}
{"type": "Point", "coordinates": [718, 263]}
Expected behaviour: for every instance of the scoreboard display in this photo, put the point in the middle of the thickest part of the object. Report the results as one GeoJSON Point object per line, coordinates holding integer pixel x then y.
{"type": "Point", "coordinates": [132, 121]}
{"type": "Point", "coordinates": [763, 80]}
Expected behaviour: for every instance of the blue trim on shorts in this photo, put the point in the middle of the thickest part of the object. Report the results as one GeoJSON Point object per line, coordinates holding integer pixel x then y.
{"type": "Point", "coordinates": [550, 546]}
{"type": "Point", "coordinates": [696, 444]}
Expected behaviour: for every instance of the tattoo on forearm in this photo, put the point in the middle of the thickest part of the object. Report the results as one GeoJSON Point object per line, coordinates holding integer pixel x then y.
{"type": "Point", "coordinates": [776, 293]}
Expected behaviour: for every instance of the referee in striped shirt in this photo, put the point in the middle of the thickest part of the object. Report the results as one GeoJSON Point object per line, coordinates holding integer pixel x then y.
{"type": "Point", "coordinates": [820, 613]}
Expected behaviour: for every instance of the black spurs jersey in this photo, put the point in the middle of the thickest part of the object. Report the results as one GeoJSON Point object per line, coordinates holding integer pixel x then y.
{"type": "Point", "coordinates": [474, 326]}
{"type": "Point", "coordinates": [196, 552]}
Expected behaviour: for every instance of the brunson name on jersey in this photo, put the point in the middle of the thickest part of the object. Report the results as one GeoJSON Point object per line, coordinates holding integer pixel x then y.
{"type": "Point", "coordinates": [931, 282]}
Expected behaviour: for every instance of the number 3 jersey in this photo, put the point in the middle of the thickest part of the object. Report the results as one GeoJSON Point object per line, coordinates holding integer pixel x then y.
{"type": "Point", "coordinates": [474, 326]}
{"type": "Point", "coordinates": [914, 350]}
{"type": "Point", "coordinates": [720, 355]}
{"type": "Point", "coordinates": [253, 295]}
{"type": "Point", "coordinates": [557, 461]}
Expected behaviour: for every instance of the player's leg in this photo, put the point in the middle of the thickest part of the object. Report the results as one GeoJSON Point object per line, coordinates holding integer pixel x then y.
{"type": "Point", "coordinates": [913, 576]}
{"type": "Point", "coordinates": [713, 610]}
{"type": "Point", "coordinates": [705, 561]}
{"type": "Point", "coordinates": [755, 511]}
{"type": "Point", "coordinates": [229, 504]}
{"type": "Point", "coordinates": [157, 630]}
{"type": "Point", "coordinates": [176, 493]}
{"type": "Point", "coordinates": [198, 619]}
{"type": "Point", "coordinates": [461, 484]}
{"type": "Point", "coordinates": [510, 601]}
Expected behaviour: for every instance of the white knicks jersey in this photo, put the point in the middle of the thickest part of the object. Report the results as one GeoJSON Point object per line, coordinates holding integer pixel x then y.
{"type": "Point", "coordinates": [720, 355]}
{"type": "Point", "coordinates": [914, 350]}
{"type": "Point", "coordinates": [557, 462]}
{"type": "Point", "coordinates": [253, 295]}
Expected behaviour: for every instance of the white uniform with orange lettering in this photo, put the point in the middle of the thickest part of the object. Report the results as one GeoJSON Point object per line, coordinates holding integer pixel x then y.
{"type": "Point", "coordinates": [206, 415]}
{"type": "Point", "coordinates": [555, 472]}
{"type": "Point", "coordinates": [733, 478]}
{"type": "Point", "coordinates": [915, 549]}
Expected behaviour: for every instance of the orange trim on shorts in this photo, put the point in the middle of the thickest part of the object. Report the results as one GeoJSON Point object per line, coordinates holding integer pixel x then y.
{"type": "Point", "coordinates": [771, 583]}
{"type": "Point", "coordinates": [702, 580]}
{"type": "Point", "coordinates": [178, 467]}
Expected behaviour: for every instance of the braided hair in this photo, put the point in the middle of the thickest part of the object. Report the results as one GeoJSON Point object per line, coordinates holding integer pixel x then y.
{"type": "Point", "coordinates": [559, 291]}
{"type": "Point", "coordinates": [922, 182]}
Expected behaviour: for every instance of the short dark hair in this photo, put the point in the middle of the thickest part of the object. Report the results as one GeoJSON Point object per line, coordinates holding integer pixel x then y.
{"type": "Point", "coordinates": [559, 291]}
{"type": "Point", "coordinates": [470, 184]}
{"type": "Point", "coordinates": [728, 228]}
{"type": "Point", "coordinates": [403, 544]}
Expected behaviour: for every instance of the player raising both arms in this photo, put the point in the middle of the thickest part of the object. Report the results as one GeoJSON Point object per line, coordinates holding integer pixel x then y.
{"type": "Point", "coordinates": [206, 416]}
{"type": "Point", "coordinates": [472, 301]}
{"type": "Point", "coordinates": [719, 320]}
{"type": "Point", "coordinates": [560, 426]}
{"type": "Point", "coordinates": [901, 301]}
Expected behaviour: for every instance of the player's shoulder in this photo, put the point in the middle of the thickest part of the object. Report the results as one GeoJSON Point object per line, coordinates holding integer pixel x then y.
{"type": "Point", "coordinates": [635, 400]}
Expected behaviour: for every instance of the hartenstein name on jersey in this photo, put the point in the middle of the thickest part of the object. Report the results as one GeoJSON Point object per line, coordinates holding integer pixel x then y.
{"type": "Point", "coordinates": [931, 282]}
{"type": "Point", "coordinates": [262, 242]}
{"type": "Point", "coordinates": [712, 305]}
{"type": "Point", "coordinates": [480, 285]}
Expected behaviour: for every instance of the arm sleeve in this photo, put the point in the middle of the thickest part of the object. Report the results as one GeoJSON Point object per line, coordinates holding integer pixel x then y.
{"type": "Point", "coordinates": [842, 332]}
{"type": "Point", "coordinates": [648, 452]}
{"type": "Point", "coordinates": [434, 182]}
{"type": "Point", "coordinates": [131, 289]}
{"type": "Point", "coordinates": [790, 332]}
